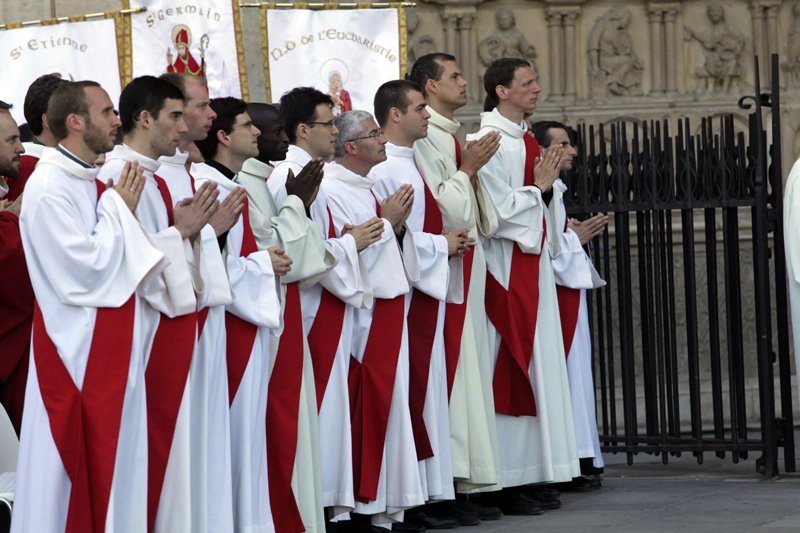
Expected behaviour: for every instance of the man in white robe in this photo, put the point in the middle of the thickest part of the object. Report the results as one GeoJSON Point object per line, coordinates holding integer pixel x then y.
{"type": "Point", "coordinates": [535, 430]}
{"type": "Point", "coordinates": [451, 175]}
{"type": "Point", "coordinates": [250, 318]}
{"type": "Point", "coordinates": [83, 449]}
{"type": "Point", "coordinates": [791, 223]}
{"type": "Point", "coordinates": [292, 426]}
{"type": "Point", "coordinates": [151, 111]}
{"type": "Point", "coordinates": [574, 274]}
{"type": "Point", "coordinates": [401, 112]}
{"type": "Point", "coordinates": [209, 420]}
{"type": "Point", "coordinates": [386, 476]}
{"type": "Point", "coordinates": [329, 305]}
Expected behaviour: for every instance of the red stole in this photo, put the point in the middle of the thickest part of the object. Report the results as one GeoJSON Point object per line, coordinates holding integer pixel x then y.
{"type": "Point", "coordinates": [422, 320]}
{"type": "Point", "coordinates": [569, 303]}
{"type": "Point", "coordinates": [371, 384]}
{"type": "Point", "coordinates": [455, 314]}
{"type": "Point", "coordinates": [241, 335]}
{"type": "Point", "coordinates": [165, 378]}
{"type": "Point", "coordinates": [85, 422]}
{"type": "Point", "coordinates": [283, 403]}
{"type": "Point", "coordinates": [323, 339]}
{"type": "Point", "coordinates": [514, 313]}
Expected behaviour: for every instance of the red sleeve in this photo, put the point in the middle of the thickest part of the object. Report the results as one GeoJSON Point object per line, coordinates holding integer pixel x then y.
{"type": "Point", "coordinates": [16, 298]}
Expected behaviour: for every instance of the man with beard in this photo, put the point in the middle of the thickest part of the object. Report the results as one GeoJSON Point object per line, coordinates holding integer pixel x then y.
{"type": "Point", "coordinates": [328, 306]}
{"type": "Point", "coordinates": [292, 426]}
{"type": "Point", "coordinates": [209, 445]}
{"type": "Point", "coordinates": [82, 463]}
{"type": "Point", "coordinates": [16, 299]}
{"type": "Point", "coordinates": [151, 111]}
{"type": "Point", "coordinates": [450, 172]}
{"type": "Point", "coordinates": [575, 274]}
{"type": "Point", "coordinates": [250, 318]}
{"type": "Point", "coordinates": [535, 430]}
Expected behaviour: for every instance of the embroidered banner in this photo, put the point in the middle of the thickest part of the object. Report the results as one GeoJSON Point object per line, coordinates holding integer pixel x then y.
{"type": "Point", "coordinates": [346, 53]}
{"type": "Point", "coordinates": [191, 37]}
{"type": "Point", "coordinates": [84, 50]}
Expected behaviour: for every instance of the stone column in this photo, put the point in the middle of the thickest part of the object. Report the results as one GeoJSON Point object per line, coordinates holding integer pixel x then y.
{"type": "Point", "coordinates": [450, 21]}
{"type": "Point", "coordinates": [467, 53]}
{"type": "Point", "coordinates": [571, 63]}
{"type": "Point", "coordinates": [555, 33]}
{"type": "Point", "coordinates": [655, 15]}
{"type": "Point", "coordinates": [670, 51]}
{"type": "Point", "coordinates": [759, 39]}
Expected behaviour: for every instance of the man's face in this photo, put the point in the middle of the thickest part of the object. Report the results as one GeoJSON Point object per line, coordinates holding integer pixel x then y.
{"type": "Point", "coordinates": [322, 134]}
{"type": "Point", "coordinates": [273, 143]}
{"type": "Point", "coordinates": [523, 93]}
{"type": "Point", "coordinates": [100, 132]}
{"type": "Point", "coordinates": [166, 130]}
{"type": "Point", "coordinates": [451, 87]}
{"type": "Point", "coordinates": [197, 113]}
{"type": "Point", "coordinates": [244, 137]}
{"type": "Point", "coordinates": [10, 146]}
{"type": "Point", "coordinates": [415, 120]}
{"type": "Point", "coordinates": [559, 136]}
{"type": "Point", "coordinates": [371, 144]}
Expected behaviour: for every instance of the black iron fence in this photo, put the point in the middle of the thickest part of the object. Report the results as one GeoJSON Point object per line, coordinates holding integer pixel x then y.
{"type": "Point", "coordinates": [691, 335]}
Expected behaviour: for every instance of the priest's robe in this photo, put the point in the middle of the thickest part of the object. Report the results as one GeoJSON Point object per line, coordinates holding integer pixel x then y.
{"type": "Point", "coordinates": [535, 430]}
{"type": "Point", "coordinates": [292, 425]}
{"type": "Point", "coordinates": [328, 308]}
{"type": "Point", "coordinates": [209, 416]}
{"type": "Point", "coordinates": [386, 477]}
{"type": "Point", "coordinates": [425, 308]}
{"type": "Point", "coordinates": [469, 365]}
{"type": "Point", "coordinates": [83, 449]}
{"type": "Point", "coordinates": [254, 312]}
{"type": "Point", "coordinates": [574, 274]}
{"type": "Point", "coordinates": [791, 231]}
{"type": "Point", "coordinates": [169, 336]}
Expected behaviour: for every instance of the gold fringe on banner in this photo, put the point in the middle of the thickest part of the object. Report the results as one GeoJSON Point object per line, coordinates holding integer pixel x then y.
{"type": "Point", "coordinates": [237, 28]}
{"type": "Point", "coordinates": [262, 22]}
{"type": "Point", "coordinates": [401, 25]}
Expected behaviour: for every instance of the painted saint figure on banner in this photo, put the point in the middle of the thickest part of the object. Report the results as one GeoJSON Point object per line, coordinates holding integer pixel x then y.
{"type": "Point", "coordinates": [341, 98]}
{"type": "Point", "coordinates": [185, 63]}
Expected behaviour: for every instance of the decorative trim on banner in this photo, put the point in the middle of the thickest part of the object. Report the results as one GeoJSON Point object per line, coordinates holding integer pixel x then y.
{"type": "Point", "coordinates": [401, 23]}
{"type": "Point", "coordinates": [327, 5]}
{"type": "Point", "coordinates": [237, 28]}
{"type": "Point", "coordinates": [262, 23]}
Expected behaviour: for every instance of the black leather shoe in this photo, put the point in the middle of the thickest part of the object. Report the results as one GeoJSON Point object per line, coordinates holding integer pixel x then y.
{"type": "Point", "coordinates": [428, 519]}
{"type": "Point", "coordinates": [547, 505]}
{"type": "Point", "coordinates": [595, 482]}
{"type": "Point", "coordinates": [513, 503]}
{"type": "Point", "coordinates": [578, 484]}
{"type": "Point", "coordinates": [402, 527]}
{"type": "Point", "coordinates": [449, 510]}
{"type": "Point", "coordinates": [486, 512]}
{"type": "Point", "coordinates": [541, 492]}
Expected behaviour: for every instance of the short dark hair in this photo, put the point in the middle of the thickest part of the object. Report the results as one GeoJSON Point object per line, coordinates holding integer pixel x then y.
{"type": "Point", "coordinates": [36, 100]}
{"type": "Point", "coordinates": [300, 106]}
{"type": "Point", "coordinates": [227, 109]}
{"type": "Point", "coordinates": [540, 131]}
{"type": "Point", "coordinates": [500, 72]}
{"type": "Point", "coordinates": [393, 94]}
{"type": "Point", "coordinates": [68, 99]}
{"type": "Point", "coordinates": [5, 106]}
{"type": "Point", "coordinates": [428, 67]}
{"type": "Point", "coordinates": [179, 80]}
{"type": "Point", "coordinates": [145, 93]}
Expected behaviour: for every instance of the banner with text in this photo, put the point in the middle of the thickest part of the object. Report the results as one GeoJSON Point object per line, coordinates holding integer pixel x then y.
{"type": "Point", "coordinates": [190, 37]}
{"type": "Point", "coordinates": [76, 50]}
{"type": "Point", "coordinates": [345, 53]}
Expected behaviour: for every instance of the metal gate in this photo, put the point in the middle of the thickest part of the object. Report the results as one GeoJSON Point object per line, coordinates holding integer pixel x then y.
{"type": "Point", "coordinates": [691, 334]}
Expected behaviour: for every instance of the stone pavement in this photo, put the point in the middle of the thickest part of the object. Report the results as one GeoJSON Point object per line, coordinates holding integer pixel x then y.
{"type": "Point", "coordinates": [681, 497]}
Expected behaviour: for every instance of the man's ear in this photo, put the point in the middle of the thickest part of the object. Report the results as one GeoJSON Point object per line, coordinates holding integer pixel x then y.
{"type": "Point", "coordinates": [430, 87]}
{"type": "Point", "coordinates": [301, 132]}
{"type": "Point", "coordinates": [223, 138]}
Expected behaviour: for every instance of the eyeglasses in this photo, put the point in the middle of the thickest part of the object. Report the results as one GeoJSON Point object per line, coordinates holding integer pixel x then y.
{"type": "Point", "coordinates": [248, 125]}
{"type": "Point", "coordinates": [374, 134]}
{"type": "Point", "coordinates": [329, 124]}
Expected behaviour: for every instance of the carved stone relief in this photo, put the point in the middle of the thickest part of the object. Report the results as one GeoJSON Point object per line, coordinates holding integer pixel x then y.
{"type": "Point", "coordinates": [613, 62]}
{"type": "Point", "coordinates": [722, 46]}
{"type": "Point", "coordinates": [792, 63]}
{"type": "Point", "coordinates": [506, 41]}
{"type": "Point", "coordinates": [418, 45]}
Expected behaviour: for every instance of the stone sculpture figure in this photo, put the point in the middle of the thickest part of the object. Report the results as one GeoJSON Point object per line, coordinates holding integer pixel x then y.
{"type": "Point", "coordinates": [612, 59]}
{"type": "Point", "coordinates": [792, 64]}
{"type": "Point", "coordinates": [506, 41]}
{"type": "Point", "coordinates": [723, 46]}
{"type": "Point", "coordinates": [418, 45]}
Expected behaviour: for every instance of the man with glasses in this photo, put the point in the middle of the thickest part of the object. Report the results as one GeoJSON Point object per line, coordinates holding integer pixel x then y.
{"type": "Point", "coordinates": [250, 319]}
{"type": "Point", "coordinates": [386, 475]}
{"type": "Point", "coordinates": [328, 306]}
